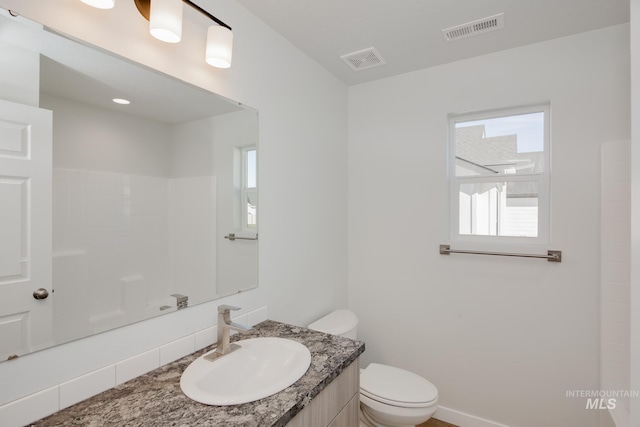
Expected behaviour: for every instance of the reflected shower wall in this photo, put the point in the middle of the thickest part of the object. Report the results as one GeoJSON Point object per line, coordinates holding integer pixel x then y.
{"type": "Point", "coordinates": [134, 217]}
{"type": "Point", "coordinates": [192, 237]}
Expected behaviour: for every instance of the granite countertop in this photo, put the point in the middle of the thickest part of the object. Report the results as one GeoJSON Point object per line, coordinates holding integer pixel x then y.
{"type": "Point", "coordinates": [155, 399]}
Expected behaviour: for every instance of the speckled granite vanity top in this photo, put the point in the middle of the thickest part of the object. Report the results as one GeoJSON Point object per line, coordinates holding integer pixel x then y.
{"type": "Point", "coordinates": [155, 399]}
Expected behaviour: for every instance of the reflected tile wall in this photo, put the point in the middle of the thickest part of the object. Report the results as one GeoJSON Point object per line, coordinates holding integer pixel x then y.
{"type": "Point", "coordinates": [615, 270]}
{"type": "Point", "coordinates": [110, 247]}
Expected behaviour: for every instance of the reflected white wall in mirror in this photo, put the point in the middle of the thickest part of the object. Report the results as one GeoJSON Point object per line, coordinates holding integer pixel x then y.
{"type": "Point", "coordinates": [143, 194]}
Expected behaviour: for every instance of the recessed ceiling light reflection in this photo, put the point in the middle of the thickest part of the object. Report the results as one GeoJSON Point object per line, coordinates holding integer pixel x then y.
{"type": "Point", "coordinates": [121, 101]}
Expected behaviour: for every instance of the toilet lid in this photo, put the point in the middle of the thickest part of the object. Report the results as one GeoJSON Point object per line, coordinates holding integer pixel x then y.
{"type": "Point", "coordinates": [337, 322]}
{"type": "Point", "coordinates": [396, 386]}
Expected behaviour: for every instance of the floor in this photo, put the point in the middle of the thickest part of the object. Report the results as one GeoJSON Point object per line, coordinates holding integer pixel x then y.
{"type": "Point", "coordinates": [435, 423]}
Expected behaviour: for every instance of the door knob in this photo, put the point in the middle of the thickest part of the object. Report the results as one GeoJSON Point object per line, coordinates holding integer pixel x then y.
{"type": "Point", "coordinates": [41, 293]}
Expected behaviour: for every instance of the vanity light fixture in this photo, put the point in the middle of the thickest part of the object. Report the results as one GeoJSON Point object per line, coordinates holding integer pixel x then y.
{"type": "Point", "coordinates": [165, 23]}
{"type": "Point", "coordinates": [219, 37]}
{"type": "Point", "coordinates": [219, 46]}
{"type": "Point", "coordinates": [100, 4]}
{"type": "Point", "coordinates": [165, 20]}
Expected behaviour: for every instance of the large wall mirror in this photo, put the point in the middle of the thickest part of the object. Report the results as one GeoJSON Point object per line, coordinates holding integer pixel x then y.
{"type": "Point", "coordinates": [113, 213]}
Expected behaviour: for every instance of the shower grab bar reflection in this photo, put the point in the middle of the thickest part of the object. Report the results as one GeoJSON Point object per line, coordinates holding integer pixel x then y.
{"type": "Point", "coordinates": [552, 256]}
{"type": "Point", "coordinates": [233, 237]}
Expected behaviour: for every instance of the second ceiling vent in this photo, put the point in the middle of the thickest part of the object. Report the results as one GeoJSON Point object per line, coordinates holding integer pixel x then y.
{"type": "Point", "coordinates": [363, 59]}
{"type": "Point", "coordinates": [474, 28]}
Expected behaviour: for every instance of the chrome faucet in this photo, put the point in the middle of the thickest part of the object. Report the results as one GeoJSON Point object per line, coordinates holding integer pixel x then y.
{"type": "Point", "coordinates": [225, 325]}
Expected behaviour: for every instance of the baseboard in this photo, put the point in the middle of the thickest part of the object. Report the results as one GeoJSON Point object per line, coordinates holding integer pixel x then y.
{"type": "Point", "coordinates": [463, 419]}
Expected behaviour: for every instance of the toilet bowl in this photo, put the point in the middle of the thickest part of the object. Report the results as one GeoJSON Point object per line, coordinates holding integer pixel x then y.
{"type": "Point", "coordinates": [389, 396]}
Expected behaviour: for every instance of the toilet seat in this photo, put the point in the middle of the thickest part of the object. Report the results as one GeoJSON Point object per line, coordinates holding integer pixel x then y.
{"type": "Point", "coordinates": [397, 387]}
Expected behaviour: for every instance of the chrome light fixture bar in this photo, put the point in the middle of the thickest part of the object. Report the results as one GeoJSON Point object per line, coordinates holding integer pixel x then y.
{"type": "Point", "coordinates": [165, 23]}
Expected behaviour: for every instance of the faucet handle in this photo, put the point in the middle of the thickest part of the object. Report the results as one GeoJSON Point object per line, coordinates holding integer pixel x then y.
{"type": "Point", "coordinates": [224, 308]}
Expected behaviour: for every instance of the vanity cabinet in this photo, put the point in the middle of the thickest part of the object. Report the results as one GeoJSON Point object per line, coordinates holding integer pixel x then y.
{"type": "Point", "coordinates": [336, 405]}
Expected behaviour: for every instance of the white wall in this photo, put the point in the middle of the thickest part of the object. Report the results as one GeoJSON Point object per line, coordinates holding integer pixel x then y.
{"type": "Point", "coordinates": [635, 211]}
{"type": "Point", "coordinates": [302, 163]}
{"type": "Point", "coordinates": [20, 64]}
{"type": "Point", "coordinates": [503, 339]}
{"type": "Point", "coordinates": [96, 139]}
{"type": "Point", "coordinates": [192, 149]}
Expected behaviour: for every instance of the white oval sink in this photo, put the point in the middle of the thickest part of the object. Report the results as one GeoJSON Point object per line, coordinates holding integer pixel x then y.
{"type": "Point", "coordinates": [259, 368]}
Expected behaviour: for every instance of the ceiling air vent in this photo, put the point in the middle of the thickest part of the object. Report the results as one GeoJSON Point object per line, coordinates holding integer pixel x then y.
{"type": "Point", "coordinates": [363, 59]}
{"type": "Point", "coordinates": [481, 26]}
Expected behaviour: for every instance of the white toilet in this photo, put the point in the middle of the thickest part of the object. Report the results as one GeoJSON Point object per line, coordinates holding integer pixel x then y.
{"type": "Point", "coordinates": [389, 397]}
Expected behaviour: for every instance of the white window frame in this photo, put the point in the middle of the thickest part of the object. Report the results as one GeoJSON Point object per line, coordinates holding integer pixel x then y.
{"type": "Point", "coordinates": [246, 190]}
{"type": "Point", "coordinates": [542, 179]}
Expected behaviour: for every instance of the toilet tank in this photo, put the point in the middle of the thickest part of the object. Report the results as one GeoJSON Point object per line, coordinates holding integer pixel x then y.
{"type": "Point", "coordinates": [339, 322]}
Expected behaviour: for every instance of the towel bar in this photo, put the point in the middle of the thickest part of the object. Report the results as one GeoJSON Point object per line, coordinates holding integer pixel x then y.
{"type": "Point", "coordinates": [552, 256]}
{"type": "Point", "coordinates": [233, 237]}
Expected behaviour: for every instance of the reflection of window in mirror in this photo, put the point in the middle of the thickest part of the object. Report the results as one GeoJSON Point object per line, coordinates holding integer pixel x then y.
{"type": "Point", "coordinates": [249, 189]}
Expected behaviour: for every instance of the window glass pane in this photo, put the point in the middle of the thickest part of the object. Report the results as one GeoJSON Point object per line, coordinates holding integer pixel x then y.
{"type": "Point", "coordinates": [501, 145]}
{"type": "Point", "coordinates": [499, 209]}
{"type": "Point", "coordinates": [252, 207]}
{"type": "Point", "coordinates": [251, 168]}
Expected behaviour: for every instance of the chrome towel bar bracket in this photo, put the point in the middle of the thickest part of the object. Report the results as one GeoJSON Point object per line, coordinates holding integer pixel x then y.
{"type": "Point", "coordinates": [233, 237]}
{"type": "Point", "coordinates": [552, 256]}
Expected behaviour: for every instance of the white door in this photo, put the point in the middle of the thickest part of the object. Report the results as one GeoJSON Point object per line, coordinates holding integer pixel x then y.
{"type": "Point", "coordinates": [25, 228]}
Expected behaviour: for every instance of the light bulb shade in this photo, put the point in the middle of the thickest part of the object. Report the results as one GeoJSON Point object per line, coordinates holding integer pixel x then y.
{"type": "Point", "coordinates": [165, 20]}
{"type": "Point", "coordinates": [100, 4]}
{"type": "Point", "coordinates": [219, 46]}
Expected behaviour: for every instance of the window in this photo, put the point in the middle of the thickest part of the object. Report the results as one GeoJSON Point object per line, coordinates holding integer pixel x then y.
{"type": "Point", "coordinates": [249, 188]}
{"type": "Point", "coordinates": [499, 176]}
